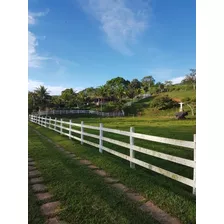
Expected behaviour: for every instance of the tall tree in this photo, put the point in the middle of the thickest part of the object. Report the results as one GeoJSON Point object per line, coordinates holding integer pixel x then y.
{"type": "Point", "coordinates": [117, 87]}
{"type": "Point", "coordinates": [147, 82]}
{"type": "Point", "coordinates": [57, 102]}
{"type": "Point", "coordinates": [135, 84]}
{"type": "Point", "coordinates": [69, 97]}
{"type": "Point", "coordinates": [43, 97]}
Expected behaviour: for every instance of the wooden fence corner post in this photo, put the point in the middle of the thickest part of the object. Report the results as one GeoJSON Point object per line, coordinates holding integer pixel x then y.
{"type": "Point", "coordinates": [132, 152]}
{"type": "Point", "coordinates": [82, 123]}
{"type": "Point", "coordinates": [194, 176]}
{"type": "Point", "coordinates": [70, 128]}
{"type": "Point", "coordinates": [101, 138]}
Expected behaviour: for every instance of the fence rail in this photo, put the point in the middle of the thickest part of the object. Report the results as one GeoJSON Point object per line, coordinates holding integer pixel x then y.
{"type": "Point", "coordinates": [91, 112]}
{"type": "Point", "coordinates": [58, 126]}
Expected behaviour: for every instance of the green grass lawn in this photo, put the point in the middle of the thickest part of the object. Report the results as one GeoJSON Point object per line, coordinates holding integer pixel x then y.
{"type": "Point", "coordinates": [173, 197]}
{"type": "Point", "coordinates": [181, 94]}
{"type": "Point", "coordinates": [84, 197]}
{"type": "Point", "coordinates": [34, 215]}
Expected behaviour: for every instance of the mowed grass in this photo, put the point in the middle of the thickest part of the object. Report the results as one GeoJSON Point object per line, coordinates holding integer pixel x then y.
{"type": "Point", "coordinates": [170, 195]}
{"type": "Point", "coordinates": [34, 214]}
{"type": "Point", "coordinates": [84, 196]}
{"type": "Point", "coordinates": [181, 94]}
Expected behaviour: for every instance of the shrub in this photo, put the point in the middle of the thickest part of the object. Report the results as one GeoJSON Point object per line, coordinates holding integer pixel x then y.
{"type": "Point", "coordinates": [163, 103]}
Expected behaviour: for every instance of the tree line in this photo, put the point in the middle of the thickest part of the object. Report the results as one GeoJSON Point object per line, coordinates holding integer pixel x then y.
{"type": "Point", "coordinates": [115, 92]}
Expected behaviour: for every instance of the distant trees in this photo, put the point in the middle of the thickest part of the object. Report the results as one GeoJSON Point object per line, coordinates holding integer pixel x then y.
{"type": "Point", "coordinates": [168, 83]}
{"type": "Point", "coordinates": [117, 88]}
{"type": "Point", "coordinates": [147, 82]}
{"type": "Point", "coordinates": [190, 78]}
{"type": "Point", "coordinates": [68, 97]}
{"type": "Point", "coordinates": [115, 93]}
{"type": "Point", "coordinates": [42, 97]}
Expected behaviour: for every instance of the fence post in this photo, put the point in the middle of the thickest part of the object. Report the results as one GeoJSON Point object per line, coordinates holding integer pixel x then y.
{"type": "Point", "coordinates": [61, 127]}
{"type": "Point", "coordinates": [194, 176]}
{"type": "Point", "coordinates": [82, 132]}
{"type": "Point", "coordinates": [45, 121]}
{"type": "Point", "coordinates": [49, 125]}
{"type": "Point", "coordinates": [55, 122]}
{"type": "Point", "coordinates": [70, 127]}
{"type": "Point", "coordinates": [132, 152]}
{"type": "Point", "coordinates": [101, 138]}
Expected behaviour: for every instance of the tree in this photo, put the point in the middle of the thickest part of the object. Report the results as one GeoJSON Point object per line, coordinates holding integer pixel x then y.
{"type": "Point", "coordinates": [160, 86]}
{"type": "Point", "coordinates": [32, 102]}
{"type": "Point", "coordinates": [117, 87]}
{"type": "Point", "coordinates": [168, 83]}
{"type": "Point", "coordinates": [101, 93]}
{"type": "Point", "coordinates": [89, 94]}
{"type": "Point", "coordinates": [69, 97]}
{"type": "Point", "coordinates": [147, 82]}
{"type": "Point", "coordinates": [190, 79]}
{"type": "Point", "coordinates": [57, 102]}
{"type": "Point", "coordinates": [42, 97]}
{"type": "Point", "coordinates": [135, 84]}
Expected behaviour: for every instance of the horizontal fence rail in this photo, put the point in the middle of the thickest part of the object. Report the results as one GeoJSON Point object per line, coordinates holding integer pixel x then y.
{"type": "Point", "coordinates": [60, 125]}
{"type": "Point", "coordinates": [62, 112]}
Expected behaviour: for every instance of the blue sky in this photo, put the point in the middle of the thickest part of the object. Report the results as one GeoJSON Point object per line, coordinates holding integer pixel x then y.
{"type": "Point", "coordinates": [83, 43]}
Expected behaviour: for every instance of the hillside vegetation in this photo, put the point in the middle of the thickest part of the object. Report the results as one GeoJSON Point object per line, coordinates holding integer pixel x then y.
{"type": "Point", "coordinates": [145, 97]}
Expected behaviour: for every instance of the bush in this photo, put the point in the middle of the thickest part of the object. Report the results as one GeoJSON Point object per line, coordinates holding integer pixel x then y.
{"type": "Point", "coordinates": [113, 106]}
{"type": "Point", "coordinates": [163, 103]}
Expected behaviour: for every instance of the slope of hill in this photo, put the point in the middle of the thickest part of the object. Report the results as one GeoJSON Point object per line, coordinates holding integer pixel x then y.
{"type": "Point", "coordinates": [142, 107]}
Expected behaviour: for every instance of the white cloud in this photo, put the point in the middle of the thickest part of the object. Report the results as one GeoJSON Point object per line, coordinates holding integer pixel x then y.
{"type": "Point", "coordinates": [53, 90]}
{"type": "Point", "coordinates": [121, 24]}
{"type": "Point", "coordinates": [177, 79]}
{"type": "Point", "coordinates": [34, 59]}
{"type": "Point", "coordinates": [33, 15]}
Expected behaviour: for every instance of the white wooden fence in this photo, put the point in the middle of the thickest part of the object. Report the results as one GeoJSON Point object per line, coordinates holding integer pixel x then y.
{"type": "Point", "coordinates": [57, 125]}
{"type": "Point", "coordinates": [99, 113]}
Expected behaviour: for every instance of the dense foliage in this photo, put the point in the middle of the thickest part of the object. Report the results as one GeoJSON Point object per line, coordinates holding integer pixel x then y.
{"type": "Point", "coordinates": [113, 96]}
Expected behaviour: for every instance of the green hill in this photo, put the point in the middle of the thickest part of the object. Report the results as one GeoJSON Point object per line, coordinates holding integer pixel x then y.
{"type": "Point", "coordinates": [143, 107]}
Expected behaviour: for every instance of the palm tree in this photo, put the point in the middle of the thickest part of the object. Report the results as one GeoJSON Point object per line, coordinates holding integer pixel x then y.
{"type": "Point", "coordinates": [43, 97]}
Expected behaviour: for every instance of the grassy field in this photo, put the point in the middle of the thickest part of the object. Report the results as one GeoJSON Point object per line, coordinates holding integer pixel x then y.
{"type": "Point", "coordinates": [84, 197]}
{"type": "Point", "coordinates": [34, 215]}
{"type": "Point", "coordinates": [181, 94]}
{"type": "Point", "coordinates": [173, 197]}
{"type": "Point", "coordinates": [143, 106]}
